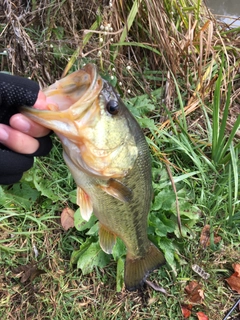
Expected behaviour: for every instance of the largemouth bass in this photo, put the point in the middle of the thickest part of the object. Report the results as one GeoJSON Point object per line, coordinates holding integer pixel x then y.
{"type": "Point", "coordinates": [108, 156]}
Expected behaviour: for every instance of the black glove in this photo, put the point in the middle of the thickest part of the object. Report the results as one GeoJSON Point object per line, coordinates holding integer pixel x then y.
{"type": "Point", "coordinates": [15, 92]}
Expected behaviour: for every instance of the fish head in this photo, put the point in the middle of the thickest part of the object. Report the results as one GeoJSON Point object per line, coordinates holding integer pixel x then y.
{"type": "Point", "coordinates": [92, 123]}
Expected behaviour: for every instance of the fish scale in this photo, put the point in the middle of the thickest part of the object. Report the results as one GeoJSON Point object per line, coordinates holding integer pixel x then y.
{"type": "Point", "coordinates": [109, 159]}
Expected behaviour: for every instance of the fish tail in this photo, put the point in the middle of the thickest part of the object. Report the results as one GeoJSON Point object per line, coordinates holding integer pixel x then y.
{"type": "Point", "coordinates": [137, 270]}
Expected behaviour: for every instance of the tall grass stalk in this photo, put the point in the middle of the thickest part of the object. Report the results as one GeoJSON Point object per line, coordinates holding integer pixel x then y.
{"type": "Point", "coordinates": [130, 19]}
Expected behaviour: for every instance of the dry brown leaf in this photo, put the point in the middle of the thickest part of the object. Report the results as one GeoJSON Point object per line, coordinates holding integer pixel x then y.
{"type": "Point", "coordinates": [186, 310]}
{"type": "Point", "coordinates": [28, 272]}
{"type": "Point", "coordinates": [67, 218]}
{"type": "Point", "coordinates": [205, 236]}
{"type": "Point", "coordinates": [201, 316]}
{"type": "Point", "coordinates": [194, 292]}
{"type": "Point", "coordinates": [234, 280]}
{"type": "Point", "coordinates": [236, 268]}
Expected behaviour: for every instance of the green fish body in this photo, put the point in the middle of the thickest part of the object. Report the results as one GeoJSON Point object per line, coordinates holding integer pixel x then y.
{"type": "Point", "coordinates": [108, 156]}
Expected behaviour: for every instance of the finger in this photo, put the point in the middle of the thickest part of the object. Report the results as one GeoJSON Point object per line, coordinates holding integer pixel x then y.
{"type": "Point", "coordinates": [17, 141]}
{"type": "Point", "coordinates": [21, 123]}
{"type": "Point", "coordinates": [41, 101]}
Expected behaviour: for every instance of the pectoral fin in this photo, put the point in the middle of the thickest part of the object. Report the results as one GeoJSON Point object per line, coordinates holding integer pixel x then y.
{"type": "Point", "coordinates": [106, 238]}
{"type": "Point", "coordinates": [85, 204]}
{"type": "Point", "coordinates": [118, 190]}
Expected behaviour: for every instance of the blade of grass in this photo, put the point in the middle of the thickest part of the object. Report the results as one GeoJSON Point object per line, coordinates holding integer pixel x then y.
{"type": "Point", "coordinates": [129, 22]}
{"type": "Point", "coordinates": [235, 167]}
{"type": "Point", "coordinates": [76, 53]}
{"type": "Point", "coordinates": [216, 108]}
{"type": "Point", "coordinates": [230, 202]}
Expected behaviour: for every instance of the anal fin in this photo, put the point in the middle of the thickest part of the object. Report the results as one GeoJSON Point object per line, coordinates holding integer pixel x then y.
{"type": "Point", "coordinates": [106, 238]}
{"type": "Point", "coordinates": [117, 190]}
{"type": "Point", "coordinates": [85, 204]}
{"type": "Point", "coordinates": [137, 270]}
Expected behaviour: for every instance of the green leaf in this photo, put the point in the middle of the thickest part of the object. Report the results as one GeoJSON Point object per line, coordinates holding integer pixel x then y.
{"type": "Point", "coordinates": [120, 274]}
{"type": "Point", "coordinates": [81, 224]}
{"type": "Point", "coordinates": [119, 249]}
{"type": "Point", "coordinates": [22, 194]}
{"type": "Point", "coordinates": [161, 225]}
{"type": "Point", "coordinates": [92, 257]}
{"type": "Point", "coordinates": [167, 247]}
{"type": "Point", "coordinates": [164, 200]}
{"type": "Point", "coordinates": [77, 253]}
{"type": "Point", "coordinates": [142, 103]}
{"type": "Point", "coordinates": [42, 185]}
{"type": "Point", "coordinates": [93, 230]}
{"type": "Point", "coordinates": [145, 122]}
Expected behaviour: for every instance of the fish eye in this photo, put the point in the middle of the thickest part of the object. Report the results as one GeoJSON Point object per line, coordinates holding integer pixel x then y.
{"type": "Point", "coordinates": [112, 107]}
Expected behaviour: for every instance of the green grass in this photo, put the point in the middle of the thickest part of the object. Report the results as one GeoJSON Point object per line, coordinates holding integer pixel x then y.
{"type": "Point", "coordinates": [183, 97]}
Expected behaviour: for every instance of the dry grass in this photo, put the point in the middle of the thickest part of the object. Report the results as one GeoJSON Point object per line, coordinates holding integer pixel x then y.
{"type": "Point", "coordinates": [173, 46]}
{"type": "Point", "coordinates": [179, 41]}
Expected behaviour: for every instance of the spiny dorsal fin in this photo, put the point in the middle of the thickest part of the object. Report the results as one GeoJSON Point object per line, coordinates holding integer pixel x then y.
{"type": "Point", "coordinates": [118, 190]}
{"type": "Point", "coordinates": [85, 204]}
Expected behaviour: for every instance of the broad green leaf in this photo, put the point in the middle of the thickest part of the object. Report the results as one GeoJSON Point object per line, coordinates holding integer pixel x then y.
{"type": "Point", "coordinates": [81, 224]}
{"type": "Point", "coordinates": [22, 194]}
{"type": "Point", "coordinates": [92, 257]}
{"type": "Point", "coordinates": [167, 247]}
{"type": "Point", "coordinates": [164, 200]}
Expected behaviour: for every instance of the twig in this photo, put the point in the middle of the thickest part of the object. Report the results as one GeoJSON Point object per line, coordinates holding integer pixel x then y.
{"type": "Point", "coordinates": [232, 309]}
{"type": "Point", "coordinates": [102, 32]}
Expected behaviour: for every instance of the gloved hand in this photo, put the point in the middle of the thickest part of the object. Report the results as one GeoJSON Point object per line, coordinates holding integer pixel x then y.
{"type": "Point", "coordinates": [15, 92]}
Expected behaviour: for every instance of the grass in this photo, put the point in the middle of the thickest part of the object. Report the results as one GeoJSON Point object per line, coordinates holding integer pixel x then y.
{"type": "Point", "coordinates": [177, 69]}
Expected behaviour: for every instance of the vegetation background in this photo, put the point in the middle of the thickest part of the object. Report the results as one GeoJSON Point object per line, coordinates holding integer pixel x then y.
{"type": "Point", "coordinates": [177, 70]}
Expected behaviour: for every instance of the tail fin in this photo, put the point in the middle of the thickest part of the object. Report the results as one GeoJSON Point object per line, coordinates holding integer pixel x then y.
{"type": "Point", "coordinates": [137, 270]}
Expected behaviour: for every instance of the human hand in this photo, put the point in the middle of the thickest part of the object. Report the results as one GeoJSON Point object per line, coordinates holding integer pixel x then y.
{"type": "Point", "coordinates": [20, 138]}
{"type": "Point", "coordinates": [20, 135]}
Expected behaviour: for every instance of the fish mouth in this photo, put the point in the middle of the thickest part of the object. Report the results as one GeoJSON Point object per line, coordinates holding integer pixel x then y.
{"type": "Point", "coordinates": [69, 99]}
{"type": "Point", "coordinates": [80, 120]}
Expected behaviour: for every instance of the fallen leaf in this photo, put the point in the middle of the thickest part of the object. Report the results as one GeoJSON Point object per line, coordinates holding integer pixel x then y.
{"type": "Point", "coordinates": [234, 280]}
{"type": "Point", "coordinates": [236, 268]}
{"type": "Point", "coordinates": [201, 316]}
{"type": "Point", "coordinates": [28, 272]}
{"type": "Point", "coordinates": [67, 220]}
{"type": "Point", "coordinates": [205, 236]}
{"type": "Point", "coordinates": [194, 292]}
{"type": "Point", "coordinates": [201, 293]}
{"type": "Point", "coordinates": [186, 310]}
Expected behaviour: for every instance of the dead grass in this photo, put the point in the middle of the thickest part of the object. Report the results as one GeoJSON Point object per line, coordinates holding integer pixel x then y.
{"type": "Point", "coordinates": [39, 38]}
{"type": "Point", "coordinates": [181, 42]}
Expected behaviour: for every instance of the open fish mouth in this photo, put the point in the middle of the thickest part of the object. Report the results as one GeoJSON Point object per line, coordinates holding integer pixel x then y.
{"type": "Point", "coordinates": [69, 99]}
{"type": "Point", "coordinates": [98, 142]}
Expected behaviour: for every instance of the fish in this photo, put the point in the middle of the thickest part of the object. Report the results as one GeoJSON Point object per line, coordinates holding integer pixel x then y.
{"type": "Point", "coordinates": [109, 158]}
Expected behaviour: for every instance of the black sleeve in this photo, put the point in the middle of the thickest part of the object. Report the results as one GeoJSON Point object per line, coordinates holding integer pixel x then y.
{"type": "Point", "coordinates": [15, 92]}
